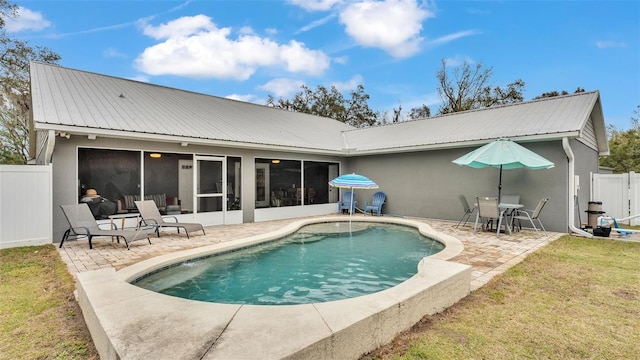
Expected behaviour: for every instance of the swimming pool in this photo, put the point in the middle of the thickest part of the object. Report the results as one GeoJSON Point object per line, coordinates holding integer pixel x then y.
{"type": "Point", "coordinates": [318, 263]}
{"type": "Point", "coordinates": [128, 322]}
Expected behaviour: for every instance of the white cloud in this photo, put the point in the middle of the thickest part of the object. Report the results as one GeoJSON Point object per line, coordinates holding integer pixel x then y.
{"type": "Point", "coordinates": [141, 78]}
{"type": "Point", "coordinates": [429, 99]}
{"type": "Point", "coordinates": [340, 60]}
{"type": "Point", "coordinates": [300, 59]}
{"type": "Point", "coordinates": [458, 60]}
{"type": "Point", "coordinates": [603, 44]}
{"type": "Point", "coordinates": [195, 47]}
{"type": "Point", "coordinates": [245, 98]}
{"type": "Point", "coordinates": [451, 37]}
{"type": "Point", "coordinates": [247, 30]}
{"type": "Point", "coordinates": [392, 25]}
{"type": "Point", "coordinates": [26, 20]}
{"type": "Point", "coordinates": [182, 27]}
{"type": "Point", "coordinates": [349, 85]}
{"type": "Point", "coordinates": [282, 87]}
{"type": "Point", "coordinates": [316, 23]}
{"type": "Point", "coordinates": [114, 53]}
{"type": "Point", "coordinates": [315, 5]}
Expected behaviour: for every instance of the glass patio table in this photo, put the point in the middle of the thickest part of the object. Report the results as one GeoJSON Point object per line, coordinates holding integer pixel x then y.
{"type": "Point", "coordinates": [509, 210]}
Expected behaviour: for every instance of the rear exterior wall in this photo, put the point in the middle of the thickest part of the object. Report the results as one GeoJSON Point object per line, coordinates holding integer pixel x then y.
{"type": "Point", "coordinates": [427, 184]}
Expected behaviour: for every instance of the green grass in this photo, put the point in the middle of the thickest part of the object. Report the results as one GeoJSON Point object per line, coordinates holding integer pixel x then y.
{"type": "Point", "coordinates": [39, 317]}
{"type": "Point", "coordinates": [573, 299]}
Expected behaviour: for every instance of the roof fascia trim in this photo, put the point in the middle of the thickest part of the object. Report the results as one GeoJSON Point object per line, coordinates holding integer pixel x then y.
{"type": "Point", "coordinates": [75, 130]}
{"type": "Point", "coordinates": [599, 125]}
{"type": "Point", "coordinates": [461, 144]}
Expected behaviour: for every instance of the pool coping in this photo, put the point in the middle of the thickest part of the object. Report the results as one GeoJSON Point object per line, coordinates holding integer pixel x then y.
{"type": "Point", "coordinates": [128, 322]}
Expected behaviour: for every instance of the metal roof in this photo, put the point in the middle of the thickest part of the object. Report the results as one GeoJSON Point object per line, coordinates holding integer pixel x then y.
{"type": "Point", "coordinates": [67, 100]}
{"type": "Point", "coordinates": [543, 119]}
{"type": "Point", "coordinates": [97, 103]}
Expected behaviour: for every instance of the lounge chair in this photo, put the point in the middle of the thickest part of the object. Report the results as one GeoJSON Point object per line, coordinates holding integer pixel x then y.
{"type": "Point", "coordinates": [376, 203]}
{"type": "Point", "coordinates": [531, 216]}
{"type": "Point", "coordinates": [489, 211]}
{"type": "Point", "coordinates": [82, 223]}
{"type": "Point", "coordinates": [151, 217]}
{"type": "Point", "coordinates": [348, 203]}
{"type": "Point", "coordinates": [467, 210]}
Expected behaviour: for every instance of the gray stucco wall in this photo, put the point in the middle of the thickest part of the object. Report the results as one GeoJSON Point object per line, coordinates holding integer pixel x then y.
{"type": "Point", "coordinates": [427, 184]}
{"type": "Point", "coordinates": [65, 178]}
{"type": "Point", "coordinates": [586, 163]}
{"type": "Point", "coordinates": [422, 184]}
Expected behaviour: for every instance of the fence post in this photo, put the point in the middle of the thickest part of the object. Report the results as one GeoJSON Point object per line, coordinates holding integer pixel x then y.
{"type": "Point", "coordinates": [634, 196]}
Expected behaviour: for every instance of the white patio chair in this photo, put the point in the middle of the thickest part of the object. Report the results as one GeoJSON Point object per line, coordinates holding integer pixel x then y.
{"type": "Point", "coordinates": [488, 211]}
{"type": "Point", "coordinates": [531, 216]}
{"type": "Point", "coordinates": [83, 224]}
{"type": "Point", "coordinates": [151, 217]}
{"type": "Point", "coordinates": [467, 210]}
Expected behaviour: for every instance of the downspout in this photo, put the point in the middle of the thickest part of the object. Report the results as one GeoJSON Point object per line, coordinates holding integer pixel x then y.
{"type": "Point", "coordinates": [572, 189]}
{"type": "Point", "coordinates": [49, 146]}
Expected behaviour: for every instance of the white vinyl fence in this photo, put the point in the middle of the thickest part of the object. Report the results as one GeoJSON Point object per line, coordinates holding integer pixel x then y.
{"type": "Point", "coordinates": [25, 205]}
{"type": "Point", "coordinates": [619, 194]}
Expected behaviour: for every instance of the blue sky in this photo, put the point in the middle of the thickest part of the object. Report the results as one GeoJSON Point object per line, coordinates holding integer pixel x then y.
{"type": "Point", "coordinates": [247, 50]}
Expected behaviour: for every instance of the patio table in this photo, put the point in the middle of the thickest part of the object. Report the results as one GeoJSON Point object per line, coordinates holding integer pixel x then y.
{"type": "Point", "coordinates": [510, 210]}
{"type": "Point", "coordinates": [124, 217]}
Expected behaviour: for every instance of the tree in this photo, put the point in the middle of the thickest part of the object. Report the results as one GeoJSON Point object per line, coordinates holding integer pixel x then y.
{"type": "Point", "coordinates": [624, 147]}
{"type": "Point", "coordinates": [555, 93]}
{"type": "Point", "coordinates": [467, 88]}
{"type": "Point", "coordinates": [330, 103]}
{"type": "Point", "coordinates": [15, 99]}
{"type": "Point", "coordinates": [420, 112]}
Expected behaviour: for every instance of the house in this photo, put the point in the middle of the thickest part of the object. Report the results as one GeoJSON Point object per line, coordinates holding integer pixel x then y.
{"type": "Point", "coordinates": [221, 161]}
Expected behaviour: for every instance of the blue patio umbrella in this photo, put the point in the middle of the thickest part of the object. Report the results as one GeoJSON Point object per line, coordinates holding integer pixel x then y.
{"type": "Point", "coordinates": [503, 154]}
{"type": "Point", "coordinates": [353, 181]}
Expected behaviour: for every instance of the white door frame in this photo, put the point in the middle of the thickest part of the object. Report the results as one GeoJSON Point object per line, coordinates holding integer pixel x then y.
{"type": "Point", "coordinates": [219, 192]}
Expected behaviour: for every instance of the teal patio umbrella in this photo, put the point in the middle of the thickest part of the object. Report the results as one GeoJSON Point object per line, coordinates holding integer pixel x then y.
{"type": "Point", "coordinates": [353, 181]}
{"type": "Point", "coordinates": [503, 154]}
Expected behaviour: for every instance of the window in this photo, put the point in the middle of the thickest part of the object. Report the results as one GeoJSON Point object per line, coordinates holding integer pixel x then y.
{"type": "Point", "coordinates": [279, 182]}
{"type": "Point", "coordinates": [316, 181]}
{"type": "Point", "coordinates": [163, 178]}
{"type": "Point", "coordinates": [112, 173]}
{"type": "Point", "coordinates": [167, 178]}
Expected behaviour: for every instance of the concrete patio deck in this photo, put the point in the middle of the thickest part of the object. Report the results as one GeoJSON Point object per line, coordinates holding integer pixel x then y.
{"type": "Point", "coordinates": [129, 322]}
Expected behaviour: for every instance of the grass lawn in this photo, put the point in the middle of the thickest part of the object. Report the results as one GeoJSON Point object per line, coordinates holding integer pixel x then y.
{"type": "Point", "coordinates": [39, 317]}
{"type": "Point", "coordinates": [573, 299]}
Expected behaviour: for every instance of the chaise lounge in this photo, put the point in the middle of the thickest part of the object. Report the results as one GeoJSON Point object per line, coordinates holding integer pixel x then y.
{"type": "Point", "coordinates": [82, 223]}
{"type": "Point", "coordinates": [151, 217]}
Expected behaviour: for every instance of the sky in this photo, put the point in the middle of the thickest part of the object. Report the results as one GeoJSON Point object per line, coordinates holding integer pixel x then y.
{"type": "Point", "coordinates": [248, 50]}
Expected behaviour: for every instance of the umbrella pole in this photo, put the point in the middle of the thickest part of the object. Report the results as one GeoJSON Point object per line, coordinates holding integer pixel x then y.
{"type": "Point", "coordinates": [351, 209]}
{"type": "Point", "coordinates": [500, 185]}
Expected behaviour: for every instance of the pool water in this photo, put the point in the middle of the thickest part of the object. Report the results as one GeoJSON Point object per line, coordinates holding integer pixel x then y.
{"type": "Point", "coordinates": [318, 263]}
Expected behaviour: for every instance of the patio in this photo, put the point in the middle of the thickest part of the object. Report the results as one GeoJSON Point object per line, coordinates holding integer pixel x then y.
{"type": "Point", "coordinates": [487, 254]}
